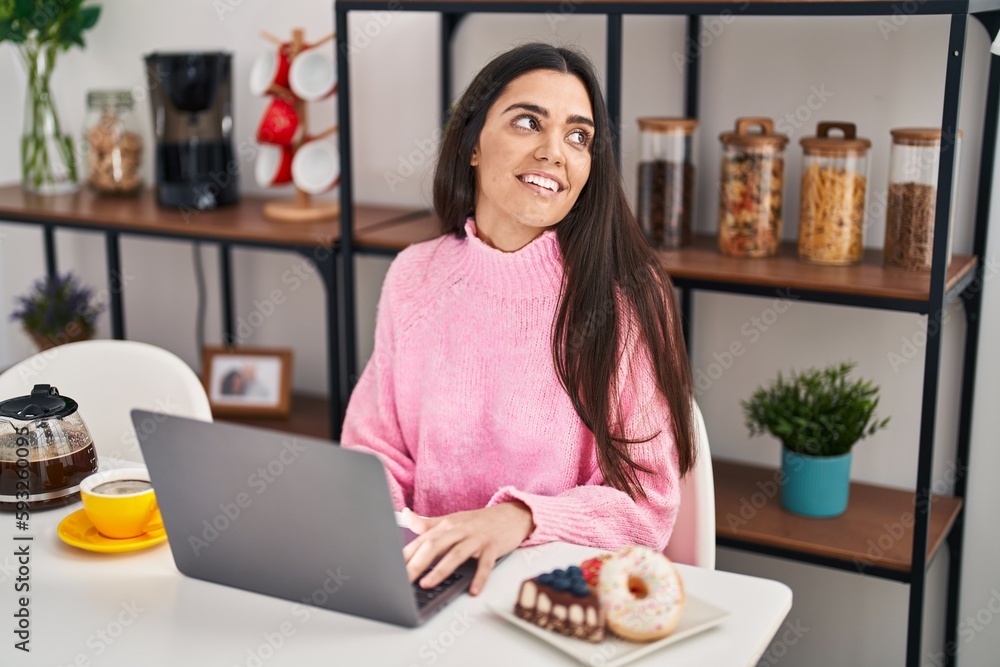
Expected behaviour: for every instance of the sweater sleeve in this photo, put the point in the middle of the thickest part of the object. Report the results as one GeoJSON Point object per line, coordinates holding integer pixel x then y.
{"type": "Point", "coordinates": [370, 423]}
{"type": "Point", "coordinates": [594, 514]}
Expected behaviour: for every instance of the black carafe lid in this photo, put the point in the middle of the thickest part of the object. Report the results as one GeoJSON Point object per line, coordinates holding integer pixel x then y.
{"type": "Point", "coordinates": [43, 403]}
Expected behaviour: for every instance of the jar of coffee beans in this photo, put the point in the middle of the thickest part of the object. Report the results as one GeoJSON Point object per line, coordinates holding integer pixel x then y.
{"type": "Point", "coordinates": [666, 180]}
{"type": "Point", "coordinates": [834, 195]}
{"type": "Point", "coordinates": [912, 200]}
{"type": "Point", "coordinates": [751, 189]}
{"type": "Point", "coordinates": [112, 143]}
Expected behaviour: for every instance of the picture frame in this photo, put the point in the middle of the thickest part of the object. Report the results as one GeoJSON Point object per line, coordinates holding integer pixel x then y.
{"type": "Point", "coordinates": [248, 381]}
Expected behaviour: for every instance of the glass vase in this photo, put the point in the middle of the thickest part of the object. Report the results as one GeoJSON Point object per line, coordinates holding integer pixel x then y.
{"type": "Point", "coordinates": [48, 163]}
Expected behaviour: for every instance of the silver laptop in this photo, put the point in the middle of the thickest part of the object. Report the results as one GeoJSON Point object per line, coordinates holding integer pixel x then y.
{"type": "Point", "coordinates": [288, 516]}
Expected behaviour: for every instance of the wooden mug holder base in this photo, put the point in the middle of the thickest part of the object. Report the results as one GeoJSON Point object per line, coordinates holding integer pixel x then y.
{"type": "Point", "coordinates": [292, 211]}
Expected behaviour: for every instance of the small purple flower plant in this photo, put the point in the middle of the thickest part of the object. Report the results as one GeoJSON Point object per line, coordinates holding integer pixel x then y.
{"type": "Point", "coordinates": [55, 304]}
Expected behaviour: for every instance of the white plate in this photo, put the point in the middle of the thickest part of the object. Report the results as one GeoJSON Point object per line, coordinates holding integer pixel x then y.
{"type": "Point", "coordinates": [698, 616]}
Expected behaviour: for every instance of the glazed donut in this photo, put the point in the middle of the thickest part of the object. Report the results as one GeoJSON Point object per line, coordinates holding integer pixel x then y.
{"type": "Point", "coordinates": [641, 593]}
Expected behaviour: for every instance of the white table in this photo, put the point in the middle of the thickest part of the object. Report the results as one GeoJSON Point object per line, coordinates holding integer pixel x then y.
{"type": "Point", "coordinates": [137, 609]}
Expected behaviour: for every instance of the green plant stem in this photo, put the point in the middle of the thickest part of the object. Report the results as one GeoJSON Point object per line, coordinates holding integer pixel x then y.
{"type": "Point", "coordinates": [39, 60]}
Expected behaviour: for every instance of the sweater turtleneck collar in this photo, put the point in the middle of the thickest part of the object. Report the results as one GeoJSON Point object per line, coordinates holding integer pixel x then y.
{"type": "Point", "coordinates": [534, 270]}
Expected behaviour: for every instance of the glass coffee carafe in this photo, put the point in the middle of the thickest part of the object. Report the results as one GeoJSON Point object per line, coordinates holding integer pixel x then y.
{"type": "Point", "coordinates": [45, 450]}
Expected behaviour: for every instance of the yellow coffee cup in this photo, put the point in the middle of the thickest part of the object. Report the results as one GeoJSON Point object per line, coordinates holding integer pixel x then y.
{"type": "Point", "coordinates": [120, 503]}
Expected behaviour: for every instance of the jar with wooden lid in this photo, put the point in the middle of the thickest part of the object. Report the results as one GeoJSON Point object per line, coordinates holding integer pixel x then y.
{"type": "Point", "coordinates": [666, 180]}
{"type": "Point", "coordinates": [112, 143]}
{"type": "Point", "coordinates": [751, 189]}
{"type": "Point", "coordinates": [834, 195]}
{"type": "Point", "coordinates": [910, 210]}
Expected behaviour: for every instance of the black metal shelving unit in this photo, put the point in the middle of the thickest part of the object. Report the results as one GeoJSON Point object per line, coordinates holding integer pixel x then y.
{"type": "Point", "coordinates": [968, 289]}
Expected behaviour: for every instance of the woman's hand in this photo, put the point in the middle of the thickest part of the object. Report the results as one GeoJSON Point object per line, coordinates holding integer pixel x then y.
{"type": "Point", "coordinates": [485, 534]}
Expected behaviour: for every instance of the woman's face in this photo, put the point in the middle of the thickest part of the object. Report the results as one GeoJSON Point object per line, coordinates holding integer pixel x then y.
{"type": "Point", "coordinates": [533, 155]}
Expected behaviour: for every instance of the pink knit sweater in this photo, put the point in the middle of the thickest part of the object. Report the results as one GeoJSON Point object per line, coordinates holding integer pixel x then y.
{"type": "Point", "coordinates": [461, 401]}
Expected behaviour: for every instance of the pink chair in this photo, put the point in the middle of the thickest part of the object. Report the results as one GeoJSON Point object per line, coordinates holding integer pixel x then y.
{"type": "Point", "coordinates": [693, 539]}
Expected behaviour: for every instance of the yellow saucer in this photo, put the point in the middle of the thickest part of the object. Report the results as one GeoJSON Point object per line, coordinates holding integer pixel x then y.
{"type": "Point", "coordinates": [77, 530]}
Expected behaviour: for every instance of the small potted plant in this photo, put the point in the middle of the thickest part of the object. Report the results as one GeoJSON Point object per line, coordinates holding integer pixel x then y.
{"type": "Point", "coordinates": [818, 415]}
{"type": "Point", "coordinates": [57, 310]}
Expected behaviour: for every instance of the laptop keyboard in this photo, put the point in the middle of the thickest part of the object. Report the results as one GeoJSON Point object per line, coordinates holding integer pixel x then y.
{"type": "Point", "coordinates": [426, 595]}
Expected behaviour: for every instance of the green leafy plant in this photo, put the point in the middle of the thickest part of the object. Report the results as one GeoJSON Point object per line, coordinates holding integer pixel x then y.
{"type": "Point", "coordinates": [51, 23]}
{"type": "Point", "coordinates": [41, 29]}
{"type": "Point", "coordinates": [56, 308]}
{"type": "Point", "coordinates": [816, 412]}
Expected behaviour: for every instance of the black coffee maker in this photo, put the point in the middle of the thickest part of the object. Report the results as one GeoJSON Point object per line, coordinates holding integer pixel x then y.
{"type": "Point", "coordinates": [191, 98]}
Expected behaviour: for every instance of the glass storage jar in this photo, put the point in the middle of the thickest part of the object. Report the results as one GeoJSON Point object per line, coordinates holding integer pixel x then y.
{"type": "Point", "coordinates": [751, 189]}
{"type": "Point", "coordinates": [666, 180]}
{"type": "Point", "coordinates": [834, 195]}
{"type": "Point", "coordinates": [913, 177]}
{"type": "Point", "coordinates": [112, 143]}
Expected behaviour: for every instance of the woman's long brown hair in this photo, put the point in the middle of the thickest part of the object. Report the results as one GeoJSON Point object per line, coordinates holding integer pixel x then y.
{"type": "Point", "coordinates": [608, 267]}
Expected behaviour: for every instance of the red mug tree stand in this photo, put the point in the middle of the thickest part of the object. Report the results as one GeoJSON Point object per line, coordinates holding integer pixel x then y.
{"type": "Point", "coordinates": [293, 75]}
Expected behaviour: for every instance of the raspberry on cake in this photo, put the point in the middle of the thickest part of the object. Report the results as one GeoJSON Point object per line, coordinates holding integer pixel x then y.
{"type": "Point", "coordinates": [592, 568]}
{"type": "Point", "coordinates": [562, 601]}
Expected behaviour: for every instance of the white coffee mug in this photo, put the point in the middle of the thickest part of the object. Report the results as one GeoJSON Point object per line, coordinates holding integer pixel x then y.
{"type": "Point", "coordinates": [316, 167]}
{"type": "Point", "coordinates": [269, 69]}
{"type": "Point", "coordinates": [312, 76]}
{"type": "Point", "coordinates": [273, 165]}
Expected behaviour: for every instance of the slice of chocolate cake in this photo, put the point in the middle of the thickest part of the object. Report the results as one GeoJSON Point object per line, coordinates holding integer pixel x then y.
{"type": "Point", "coordinates": [561, 601]}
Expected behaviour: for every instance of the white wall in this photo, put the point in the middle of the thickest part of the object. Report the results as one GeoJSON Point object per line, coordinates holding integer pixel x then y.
{"type": "Point", "coordinates": [752, 66]}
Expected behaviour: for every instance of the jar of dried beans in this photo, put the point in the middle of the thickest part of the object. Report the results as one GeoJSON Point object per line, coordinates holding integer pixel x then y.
{"type": "Point", "coordinates": [666, 180]}
{"type": "Point", "coordinates": [834, 191]}
{"type": "Point", "coordinates": [913, 177]}
{"type": "Point", "coordinates": [751, 191]}
{"type": "Point", "coordinates": [112, 144]}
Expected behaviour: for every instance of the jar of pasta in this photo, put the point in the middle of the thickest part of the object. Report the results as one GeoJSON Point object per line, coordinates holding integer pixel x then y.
{"type": "Point", "coordinates": [666, 180]}
{"type": "Point", "coordinates": [913, 177]}
{"type": "Point", "coordinates": [751, 190]}
{"type": "Point", "coordinates": [834, 191]}
{"type": "Point", "coordinates": [112, 144]}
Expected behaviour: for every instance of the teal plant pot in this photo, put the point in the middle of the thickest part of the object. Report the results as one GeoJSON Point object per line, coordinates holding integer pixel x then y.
{"type": "Point", "coordinates": [815, 486]}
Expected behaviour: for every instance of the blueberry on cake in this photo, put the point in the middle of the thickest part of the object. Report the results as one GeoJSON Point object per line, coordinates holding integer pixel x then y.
{"type": "Point", "coordinates": [561, 601]}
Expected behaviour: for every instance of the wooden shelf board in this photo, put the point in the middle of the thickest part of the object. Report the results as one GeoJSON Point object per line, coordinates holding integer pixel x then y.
{"type": "Point", "coordinates": [242, 221]}
{"type": "Point", "coordinates": [398, 235]}
{"type": "Point", "coordinates": [876, 530]}
{"type": "Point", "coordinates": [703, 261]}
{"type": "Point", "coordinates": [310, 415]}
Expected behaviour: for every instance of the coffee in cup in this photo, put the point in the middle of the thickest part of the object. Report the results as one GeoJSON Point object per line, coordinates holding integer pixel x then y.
{"type": "Point", "coordinates": [120, 503]}
{"type": "Point", "coordinates": [121, 487]}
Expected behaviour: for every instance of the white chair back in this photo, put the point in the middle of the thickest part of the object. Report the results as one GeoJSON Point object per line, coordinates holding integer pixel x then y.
{"type": "Point", "coordinates": [108, 378]}
{"type": "Point", "coordinates": [693, 539]}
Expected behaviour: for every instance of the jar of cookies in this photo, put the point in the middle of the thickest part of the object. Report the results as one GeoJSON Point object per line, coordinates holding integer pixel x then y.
{"type": "Point", "coordinates": [912, 201]}
{"type": "Point", "coordinates": [834, 192]}
{"type": "Point", "coordinates": [112, 144]}
{"type": "Point", "coordinates": [751, 189]}
{"type": "Point", "coordinates": [666, 180]}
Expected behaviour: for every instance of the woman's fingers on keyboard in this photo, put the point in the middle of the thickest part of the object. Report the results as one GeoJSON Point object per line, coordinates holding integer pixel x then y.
{"type": "Point", "coordinates": [457, 555]}
{"type": "Point", "coordinates": [421, 553]}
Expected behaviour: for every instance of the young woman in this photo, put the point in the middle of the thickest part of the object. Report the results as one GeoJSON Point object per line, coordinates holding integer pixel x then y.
{"type": "Point", "coordinates": [529, 381]}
